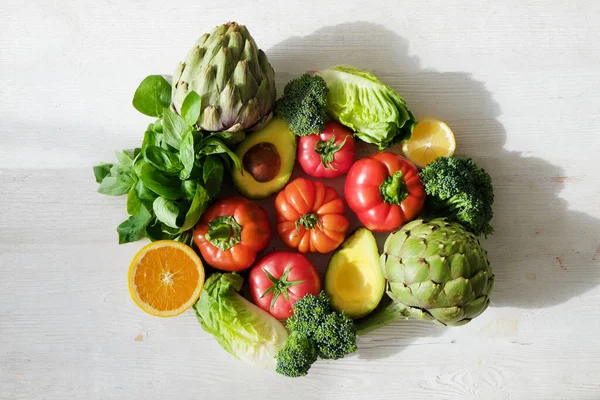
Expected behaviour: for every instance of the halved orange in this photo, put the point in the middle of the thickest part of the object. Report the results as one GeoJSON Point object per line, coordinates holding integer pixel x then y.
{"type": "Point", "coordinates": [431, 138]}
{"type": "Point", "coordinates": [165, 278]}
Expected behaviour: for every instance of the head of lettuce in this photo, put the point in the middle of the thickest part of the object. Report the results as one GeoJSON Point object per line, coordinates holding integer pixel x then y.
{"type": "Point", "coordinates": [363, 103]}
{"type": "Point", "coordinates": [241, 328]}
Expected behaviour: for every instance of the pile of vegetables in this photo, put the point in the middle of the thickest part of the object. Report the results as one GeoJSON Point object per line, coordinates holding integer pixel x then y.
{"type": "Point", "coordinates": [220, 117]}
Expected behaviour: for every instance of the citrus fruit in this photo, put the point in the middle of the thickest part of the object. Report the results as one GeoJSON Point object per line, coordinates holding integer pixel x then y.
{"type": "Point", "coordinates": [431, 138]}
{"type": "Point", "coordinates": [165, 278]}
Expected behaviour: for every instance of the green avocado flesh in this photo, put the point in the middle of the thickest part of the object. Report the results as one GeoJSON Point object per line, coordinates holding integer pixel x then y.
{"type": "Point", "coordinates": [267, 158]}
{"type": "Point", "coordinates": [354, 280]}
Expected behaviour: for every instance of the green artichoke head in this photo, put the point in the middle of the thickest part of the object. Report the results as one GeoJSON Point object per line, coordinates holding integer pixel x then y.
{"type": "Point", "coordinates": [438, 271]}
{"type": "Point", "coordinates": [233, 78]}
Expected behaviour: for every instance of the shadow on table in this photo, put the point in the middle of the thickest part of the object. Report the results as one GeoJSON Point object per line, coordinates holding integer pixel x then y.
{"type": "Point", "coordinates": [542, 253]}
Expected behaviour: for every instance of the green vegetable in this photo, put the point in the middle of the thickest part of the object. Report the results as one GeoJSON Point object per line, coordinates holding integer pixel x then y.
{"type": "Point", "coordinates": [172, 178]}
{"type": "Point", "coordinates": [315, 326]}
{"type": "Point", "coordinates": [436, 271]}
{"type": "Point", "coordinates": [232, 78]}
{"type": "Point", "coordinates": [460, 190]}
{"type": "Point", "coordinates": [366, 105]}
{"type": "Point", "coordinates": [296, 356]}
{"type": "Point", "coordinates": [304, 105]}
{"type": "Point", "coordinates": [241, 328]}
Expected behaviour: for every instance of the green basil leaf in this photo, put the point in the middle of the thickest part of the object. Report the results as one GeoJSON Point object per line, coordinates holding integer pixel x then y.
{"type": "Point", "coordinates": [152, 96]}
{"type": "Point", "coordinates": [199, 205]}
{"type": "Point", "coordinates": [155, 232]}
{"type": "Point", "coordinates": [230, 138]}
{"type": "Point", "coordinates": [162, 160]}
{"type": "Point", "coordinates": [151, 137]}
{"type": "Point", "coordinates": [134, 227]}
{"type": "Point", "coordinates": [125, 158]}
{"type": "Point", "coordinates": [166, 211]}
{"type": "Point", "coordinates": [212, 175]}
{"type": "Point", "coordinates": [174, 127]}
{"type": "Point", "coordinates": [213, 145]}
{"type": "Point", "coordinates": [101, 171]}
{"type": "Point", "coordinates": [162, 185]}
{"type": "Point", "coordinates": [144, 194]}
{"type": "Point", "coordinates": [140, 167]}
{"type": "Point", "coordinates": [134, 204]}
{"type": "Point", "coordinates": [190, 109]}
{"type": "Point", "coordinates": [113, 186]}
{"type": "Point", "coordinates": [186, 155]}
{"type": "Point", "coordinates": [188, 188]}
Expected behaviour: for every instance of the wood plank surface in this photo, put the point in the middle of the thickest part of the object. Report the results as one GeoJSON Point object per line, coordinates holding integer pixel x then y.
{"type": "Point", "coordinates": [517, 81]}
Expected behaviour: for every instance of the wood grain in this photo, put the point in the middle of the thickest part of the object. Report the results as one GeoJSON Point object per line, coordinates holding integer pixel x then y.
{"type": "Point", "coordinates": [516, 81]}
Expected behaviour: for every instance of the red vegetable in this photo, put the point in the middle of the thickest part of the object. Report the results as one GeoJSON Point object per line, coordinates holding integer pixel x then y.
{"type": "Point", "coordinates": [329, 154]}
{"type": "Point", "coordinates": [231, 232]}
{"type": "Point", "coordinates": [280, 279]}
{"type": "Point", "coordinates": [310, 216]}
{"type": "Point", "coordinates": [385, 191]}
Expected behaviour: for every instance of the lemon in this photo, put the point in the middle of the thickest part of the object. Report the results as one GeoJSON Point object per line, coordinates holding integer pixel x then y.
{"type": "Point", "coordinates": [431, 139]}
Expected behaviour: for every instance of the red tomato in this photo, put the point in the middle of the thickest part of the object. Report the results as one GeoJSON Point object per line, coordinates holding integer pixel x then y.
{"type": "Point", "coordinates": [280, 279]}
{"type": "Point", "coordinates": [231, 232]}
{"type": "Point", "coordinates": [329, 154]}
{"type": "Point", "coordinates": [385, 191]}
{"type": "Point", "coordinates": [310, 216]}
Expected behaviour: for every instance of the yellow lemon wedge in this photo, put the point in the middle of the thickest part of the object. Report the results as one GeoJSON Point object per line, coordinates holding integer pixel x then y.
{"type": "Point", "coordinates": [165, 278]}
{"type": "Point", "coordinates": [431, 139]}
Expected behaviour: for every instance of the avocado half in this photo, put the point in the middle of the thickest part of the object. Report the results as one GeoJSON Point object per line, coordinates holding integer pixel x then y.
{"type": "Point", "coordinates": [354, 279]}
{"type": "Point", "coordinates": [267, 157]}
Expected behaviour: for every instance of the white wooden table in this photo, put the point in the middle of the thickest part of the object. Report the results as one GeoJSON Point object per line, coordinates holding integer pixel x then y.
{"type": "Point", "coordinates": [517, 81]}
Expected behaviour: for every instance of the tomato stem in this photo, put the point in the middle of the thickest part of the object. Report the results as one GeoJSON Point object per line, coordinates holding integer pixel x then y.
{"type": "Point", "coordinates": [224, 232]}
{"type": "Point", "coordinates": [308, 221]}
{"type": "Point", "coordinates": [393, 188]}
{"type": "Point", "coordinates": [327, 149]}
{"type": "Point", "coordinates": [280, 286]}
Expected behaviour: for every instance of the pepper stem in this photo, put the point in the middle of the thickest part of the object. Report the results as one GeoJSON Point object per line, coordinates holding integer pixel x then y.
{"type": "Point", "coordinates": [224, 232]}
{"type": "Point", "coordinates": [308, 221]}
{"type": "Point", "coordinates": [393, 188]}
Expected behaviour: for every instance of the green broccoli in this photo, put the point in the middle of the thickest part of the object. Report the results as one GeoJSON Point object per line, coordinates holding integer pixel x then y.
{"type": "Point", "coordinates": [315, 328]}
{"type": "Point", "coordinates": [460, 190]}
{"type": "Point", "coordinates": [296, 356]}
{"type": "Point", "coordinates": [336, 336]}
{"type": "Point", "coordinates": [304, 105]}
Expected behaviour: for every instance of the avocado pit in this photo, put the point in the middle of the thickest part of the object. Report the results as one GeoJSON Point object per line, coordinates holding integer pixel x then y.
{"type": "Point", "coordinates": [262, 161]}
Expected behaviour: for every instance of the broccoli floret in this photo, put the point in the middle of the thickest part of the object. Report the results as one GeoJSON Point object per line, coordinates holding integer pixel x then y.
{"type": "Point", "coordinates": [304, 105]}
{"type": "Point", "coordinates": [460, 190]}
{"type": "Point", "coordinates": [336, 336]}
{"type": "Point", "coordinates": [309, 313]}
{"type": "Point", "coordinates": [315, 329]}
{"type": "Point", "coordinates": [296, 356]}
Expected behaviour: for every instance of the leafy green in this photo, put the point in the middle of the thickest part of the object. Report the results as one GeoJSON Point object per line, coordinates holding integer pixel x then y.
{"type": "Point", "coordinates": [152, 96]}
{"type": "Point", "coordinates": [191, 107]}
{"type": "Point", "coordinates": [199, 204]}
{"type": "Point", "coordinates": [162, 160]}
{"type": "Point", "coordinates": [212, 174]}
{"type": "Point", "coordinates": [174, 127]}
{"type": "Point", "coordinates": [459, 190]}
{"type": "Point", "coordinates": [304, 105]}
{"type": "Point", "coordinates": [171, 179]}
{"type": "Point", "coordinates": [101, 171]}
{"type": "Point", "coordinates": [134, 227]}
{"type": "Point", "coordinates": [166, 211]}
{"type": "Point", "coordinates": [376, 112]}
{"type": "Point", "coordinates": [240, 327]}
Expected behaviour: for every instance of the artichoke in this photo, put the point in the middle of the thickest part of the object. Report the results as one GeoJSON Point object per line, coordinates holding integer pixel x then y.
{"type": "Point", "coordinates": [438, 271]}
{"type": "Point", "coordinates": [233, 78]}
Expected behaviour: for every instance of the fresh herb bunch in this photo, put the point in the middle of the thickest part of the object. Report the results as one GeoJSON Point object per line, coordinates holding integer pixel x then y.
{"type": "Point", "coordinates": [315, 329]}
{"type": "Point", "coordinates": [171, 179]}
{"type": "Point", "coordinates": [459, 190]}
{"type": "Point", "coordinates": [304, 105]}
